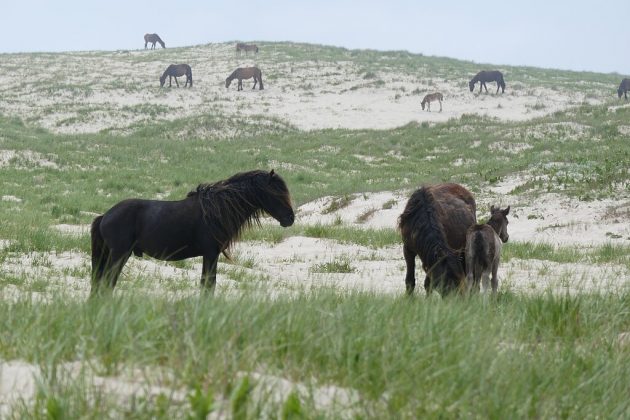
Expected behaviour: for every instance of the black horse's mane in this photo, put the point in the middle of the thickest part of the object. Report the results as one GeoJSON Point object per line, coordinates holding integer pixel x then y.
{"type": "Point", "coordinates": [231, 205]}
{"type": "Point", "coordinates": [420, 217]}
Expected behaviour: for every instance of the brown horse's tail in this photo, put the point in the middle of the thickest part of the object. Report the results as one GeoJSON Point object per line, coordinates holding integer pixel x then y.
{"type": "Point", "coordinates": [100, 250]}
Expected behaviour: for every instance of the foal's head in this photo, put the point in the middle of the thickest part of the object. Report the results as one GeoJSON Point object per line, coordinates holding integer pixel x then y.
{"type": "Point", "coordinates": [499, 222]}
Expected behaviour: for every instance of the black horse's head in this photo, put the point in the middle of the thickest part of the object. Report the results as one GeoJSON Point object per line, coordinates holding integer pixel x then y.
{"type": "Point", "coordinates": [162, 80]}
{"type": "Point", "coordinates": [276, 200]}
{"type": "Point", "coordinates": [619, 92]}
{"type": "Point", "coordinates": [471, 85]}
{"type": "Point", "coordinates": [227, 82]}
{"type": "Point", "coordinates": [499, 222]}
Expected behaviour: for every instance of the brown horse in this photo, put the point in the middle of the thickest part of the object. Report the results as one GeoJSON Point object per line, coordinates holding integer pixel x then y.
{"type": "Point", "coordinates": [245, 73]}
{"type": "Point", "coordinates": [624, 87]}
{"type": "Point", "coordinates": [483, 249]}
{"type": "Point", "coordinates": [153, 38]}
{"type": "Point", "coordinates": [204, 224]}
{"type": "Point", "coordinates": [433, 226]}
{"type": "Point", "coordinates": [487, 76]}
{"type": "Point", "coordinates": [175, 71]}
{"type": "Point", "coordinates": [430, 98]}
{"type": "Point", "coordinates": [241, 46]}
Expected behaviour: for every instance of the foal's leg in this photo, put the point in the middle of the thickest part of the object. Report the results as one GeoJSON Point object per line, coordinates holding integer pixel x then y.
{"type": "Point", "coordinates": [209, 273]}
{"type": "Point", "coordinates": [485, 278]}
{"type": "Point", "coordinates": [410, 277]}
{"type": "Point", "coordinates": [495, 278]}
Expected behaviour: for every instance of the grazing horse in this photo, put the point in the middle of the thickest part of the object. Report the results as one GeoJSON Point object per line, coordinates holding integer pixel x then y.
{"type": "Point", "coordinates": [241, 46]}
{"type": "Point", "coordinates": [624, 87]}
{"type": "Point", "coordinates": [487, 76]}
{"type": "Point", "coordinates": [483, 250]}
{"type": "Point", "coordinates": [432, 97]}
{"type": "Point", "coordinates": [433, 226]}
{"type": "Point", "coordinates": [176, 70]}
{"type": "Point", "coordinates": [245, 73]}
{"type": "Point", "coordinates": [205, 223]}
{"type": "Point", "coordinates": [153, 38]}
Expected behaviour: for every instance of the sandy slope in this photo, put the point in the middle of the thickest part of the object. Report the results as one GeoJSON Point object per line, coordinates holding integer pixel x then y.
{"type": "Point", "coordinates": [118, 89]}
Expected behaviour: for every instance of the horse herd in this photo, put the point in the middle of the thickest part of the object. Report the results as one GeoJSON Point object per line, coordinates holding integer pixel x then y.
{"type": "Point", "coordinates": [438, 224]}
{"type": "Point", "coordinates": [177, 70]}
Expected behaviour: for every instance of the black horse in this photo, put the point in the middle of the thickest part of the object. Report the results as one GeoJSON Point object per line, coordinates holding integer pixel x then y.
{"type": "Point", "coordinates": [433, 226]}
{"type": "Point", "coordinates": [487, 76]}
{"type": "Point", "coordinates": [624, 87]}
{"type": "Point", "coordinates": [205, 224]}
{"type": "Point", "coordinates": [175, 71]}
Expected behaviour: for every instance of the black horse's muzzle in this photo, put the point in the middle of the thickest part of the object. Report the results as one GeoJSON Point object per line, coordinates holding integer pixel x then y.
{"type": "Point", "coordinates": [287, 221]}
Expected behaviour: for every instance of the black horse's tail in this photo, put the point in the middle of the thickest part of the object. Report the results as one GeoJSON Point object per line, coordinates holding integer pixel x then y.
{"type": "Point", "coordinates": [100, 250]}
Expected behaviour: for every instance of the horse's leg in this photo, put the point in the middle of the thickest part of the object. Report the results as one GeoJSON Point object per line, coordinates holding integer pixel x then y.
{"type": "Point", "coordinates": [485, 279]}
{"type": "Point", "coordinates": [410, 277]}
{"type": "Point", "coordinates": [209, 272]}
{"type": "Point", "coordinates": [110, 270]}
{"type": "Point", "coordinates": [145, 44]}
{"type": "Point", "coordinates": [440, 105]}
{"type": "Point", "coordinates": [255, 81]}
{"type": "Point", "coordinates": [429, 106]}
{"type": "Point", "coordinates": [240, 84]}
{"type": "Point", "coordinates": [176, 82]}
{"type": "Point", "coordinates": [495, 278]}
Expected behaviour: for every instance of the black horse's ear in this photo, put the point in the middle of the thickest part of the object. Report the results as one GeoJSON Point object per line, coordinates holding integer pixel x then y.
{"type": "Point", "coordinates": [506, 211]}
{"type": "Point", "coordinates": [272, 173]}
{"type": "Point", "coordinates": [491, 208]}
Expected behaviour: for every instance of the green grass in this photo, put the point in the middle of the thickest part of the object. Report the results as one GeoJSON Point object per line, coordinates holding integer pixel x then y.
{"type": "Point", "coordinates": [517, 356]}
{"type": "Point", "coordinates": [543, 356]}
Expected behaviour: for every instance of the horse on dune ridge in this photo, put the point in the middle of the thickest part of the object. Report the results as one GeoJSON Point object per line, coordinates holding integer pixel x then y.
{"type": "Point", "coordinates": [245, 73]}
{"type": "Point", "coordinates": [175, 71]}
{"type": "Point", "coordinates": [487, 76]}
{"type": "Point", "coordinates": [241, 46]}
{"type": "Point", "coordinates": [624, 87]}
{"type": "Point", "coordinates": [483, 250]}
{"type": "Point", "coordinates": [433, 226]}
{"type": "Point", "coordinates": [153, 38]}
{"type": "Point", "coordinates": [205, 224]}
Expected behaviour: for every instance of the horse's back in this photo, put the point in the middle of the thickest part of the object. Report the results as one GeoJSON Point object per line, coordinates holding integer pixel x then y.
{"type": "Point", "coordinates": [456, 211]}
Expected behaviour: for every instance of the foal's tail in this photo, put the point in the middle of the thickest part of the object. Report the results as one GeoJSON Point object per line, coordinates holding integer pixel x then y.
{"type": "Point", "coordinates": [100, 250]}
